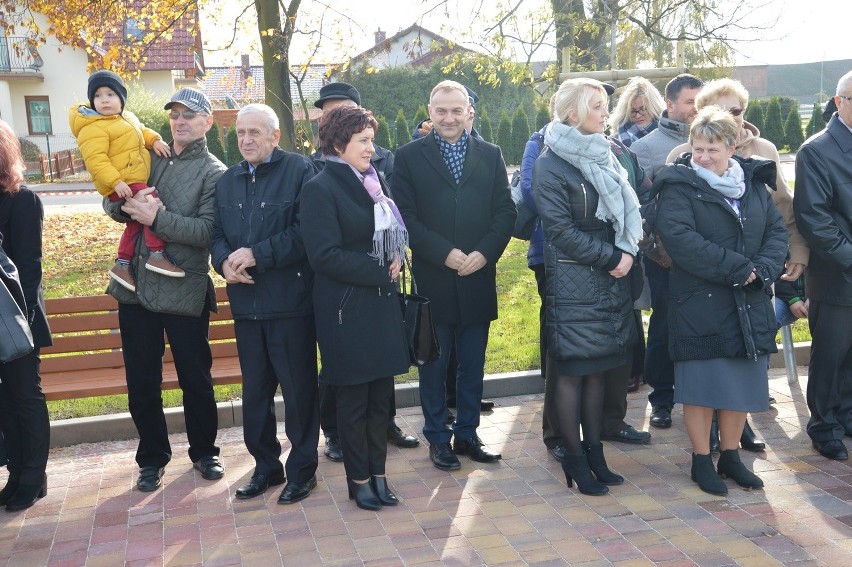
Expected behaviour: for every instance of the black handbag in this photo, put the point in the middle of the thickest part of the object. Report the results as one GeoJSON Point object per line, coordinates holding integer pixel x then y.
{"type": "Point", "coordinates": [420, 336]}
{"type": "Point", "coordinates": [525, 221]}
{"type": "Point", "coordinates": [16, 339]}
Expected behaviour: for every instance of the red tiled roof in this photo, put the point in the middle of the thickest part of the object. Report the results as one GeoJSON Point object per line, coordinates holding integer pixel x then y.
{"type": "Point", "coordinates": [176, 53]}
{"type": "Point", "coordinates": [222, 82]}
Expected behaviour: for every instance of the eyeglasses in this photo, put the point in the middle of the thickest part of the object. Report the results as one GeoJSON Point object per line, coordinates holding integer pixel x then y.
{"type": "Point", "coordinates": [734, 111]}
{"type": "Point", "coordinates": [844, 97]}
{"type": "Point", "coordinates": [187, 114]}
{"type": "Point", "coordinates": [637, 111]}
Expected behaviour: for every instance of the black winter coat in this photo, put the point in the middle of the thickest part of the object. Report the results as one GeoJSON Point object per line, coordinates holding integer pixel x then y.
{"type": "Point", "coordinates": [589, 312]}
{"type": "Point", "coordinates": [476, 214]}
{"type": "Point", "coordinates": [21, 218]}
{"type": "Point", "coordinates": [711, 313]}
{"type": "Point", "coordinates": [261, 212]}
{"type": "Point", "coordinates": [822, 203]}
{"type": "Point", "coordinates": [357, 312]}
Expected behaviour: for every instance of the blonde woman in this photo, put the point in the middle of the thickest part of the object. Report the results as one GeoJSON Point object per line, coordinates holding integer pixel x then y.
{"type": "Point", "coordinates": [638, 111]}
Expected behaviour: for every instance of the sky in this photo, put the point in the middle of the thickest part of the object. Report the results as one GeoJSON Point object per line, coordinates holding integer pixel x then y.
{"type": "Point", "coordinates": [806, 30]}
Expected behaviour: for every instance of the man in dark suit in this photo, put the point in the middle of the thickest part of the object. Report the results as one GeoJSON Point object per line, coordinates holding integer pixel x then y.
{"type": "Point", "coordinates": [823, 206]}
{"type": "Point", "coordinates": [453, 193]}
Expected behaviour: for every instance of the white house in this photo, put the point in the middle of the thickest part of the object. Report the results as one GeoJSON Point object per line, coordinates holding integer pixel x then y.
{"type": "Point", "coordinates": [38, 86]}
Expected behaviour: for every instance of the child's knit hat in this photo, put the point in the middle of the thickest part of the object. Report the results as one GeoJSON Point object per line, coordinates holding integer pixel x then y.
{"type": "Point", "coordinates": [106, 79]}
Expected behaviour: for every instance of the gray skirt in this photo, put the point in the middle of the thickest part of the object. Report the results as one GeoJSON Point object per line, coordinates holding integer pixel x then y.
{"type": "Point", "coordinates": [735, 384]}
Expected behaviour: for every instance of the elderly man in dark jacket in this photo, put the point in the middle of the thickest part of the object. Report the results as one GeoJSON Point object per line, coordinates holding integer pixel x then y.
{"type": "Point", "coordinates": [823, 206]}
{"type": "Point", "coordinates": [453, 193]}
{"type": "Point", "coordinates": [258, 248]}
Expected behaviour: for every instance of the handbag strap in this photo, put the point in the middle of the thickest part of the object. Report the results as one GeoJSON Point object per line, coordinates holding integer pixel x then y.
{"type": "Point", "coordinates": [407, 264]}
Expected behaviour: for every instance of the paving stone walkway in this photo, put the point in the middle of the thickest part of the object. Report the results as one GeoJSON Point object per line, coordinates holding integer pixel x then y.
{"type": "Point", "coordinates": [516, 512]}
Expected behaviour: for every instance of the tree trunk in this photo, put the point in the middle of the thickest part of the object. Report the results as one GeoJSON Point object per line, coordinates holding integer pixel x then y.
{"type": "Point", "coordinates": [275, 47]}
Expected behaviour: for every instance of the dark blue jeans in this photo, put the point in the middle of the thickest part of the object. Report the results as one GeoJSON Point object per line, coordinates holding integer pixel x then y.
{"type": "Point", "coordinates": [659, 370]}
{"type": "Point", "coordinates": [471, 341]}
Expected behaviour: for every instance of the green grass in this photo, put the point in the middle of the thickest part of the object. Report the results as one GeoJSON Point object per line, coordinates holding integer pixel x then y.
{"type": "Point", "coordinates": [80, 248]}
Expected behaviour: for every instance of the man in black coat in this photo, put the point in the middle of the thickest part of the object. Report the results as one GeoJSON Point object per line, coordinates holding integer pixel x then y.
{"type": "Point", "coordinates": [823, 206]}
{"type": "Point", "coordinates": [332, 96]}
{"type": "Point", "coordinates": [257, 247]}
{"type": "Point", "coordinates": [453, 193]}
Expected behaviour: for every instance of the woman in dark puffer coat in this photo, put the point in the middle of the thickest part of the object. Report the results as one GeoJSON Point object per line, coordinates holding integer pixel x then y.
{"type": "Point", "coordinates": [727, 242]}
{"type": "Point", "coordinates": [591, 221]}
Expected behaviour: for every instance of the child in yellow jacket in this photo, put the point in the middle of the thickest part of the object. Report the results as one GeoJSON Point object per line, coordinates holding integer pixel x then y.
{"type": "Point", "coordinates": [114, 146]}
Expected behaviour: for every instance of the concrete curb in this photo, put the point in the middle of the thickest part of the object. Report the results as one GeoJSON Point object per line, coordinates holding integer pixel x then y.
{"type": "Point", "coordinates": [120, 426]}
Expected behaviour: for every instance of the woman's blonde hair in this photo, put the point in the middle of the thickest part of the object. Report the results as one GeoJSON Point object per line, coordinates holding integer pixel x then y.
{"type": "Point", "coordinates": [576, 94]}
{"type": "Point", "coordinates": [714, 125]}
{"type": "Point", "coordinates": [716, 88]}
{"type": "Point", "coordinates": [637, 87]}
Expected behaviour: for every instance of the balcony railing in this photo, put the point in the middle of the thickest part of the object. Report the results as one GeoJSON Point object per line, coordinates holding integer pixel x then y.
{"type": "Point", "coordinates": [17, 55]}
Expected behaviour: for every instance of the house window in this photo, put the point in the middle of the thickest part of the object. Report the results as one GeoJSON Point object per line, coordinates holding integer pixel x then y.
{"type": "Point", "coordinates": [38, 114]}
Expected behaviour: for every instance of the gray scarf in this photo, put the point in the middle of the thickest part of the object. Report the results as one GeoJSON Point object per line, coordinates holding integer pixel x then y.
{"type": "Point", "coordinates": [731, 184]}
{"type": "Point", "coordinates": [617, 202]}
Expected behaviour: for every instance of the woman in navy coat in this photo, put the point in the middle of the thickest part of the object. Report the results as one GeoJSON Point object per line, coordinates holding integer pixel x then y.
{"type": "Point", "coordinates": [355, 240]}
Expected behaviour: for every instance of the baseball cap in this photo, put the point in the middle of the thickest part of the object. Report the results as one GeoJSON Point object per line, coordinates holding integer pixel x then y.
{"type": "Point", "coordinates": [192, 99]}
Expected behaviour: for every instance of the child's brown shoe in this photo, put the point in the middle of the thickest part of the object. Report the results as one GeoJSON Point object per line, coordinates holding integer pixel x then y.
{"type": "Point", "coordinates": [160, 263]}
{"type": "Point", "coordinates": [121, 273]}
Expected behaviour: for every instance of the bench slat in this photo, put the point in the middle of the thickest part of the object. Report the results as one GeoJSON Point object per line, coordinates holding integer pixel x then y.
{"type": "Point", "coordinates": [65, 305]}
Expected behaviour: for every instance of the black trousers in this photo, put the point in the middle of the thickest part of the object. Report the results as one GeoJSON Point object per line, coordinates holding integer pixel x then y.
{"type": "Point", "coordinates": [24, 419]}
{"type": "Point", "coordinates": [615, 386]}
{"type": "Point", "coordinates": [549, 425]}
{"type": "Point", "coordinates": [829, 391]}
{"type": "Point", "coordinates": [280, 352]}
{"type": "Point", "coordinates": [362, 412]}
{"type": "Point", "coordinates": [143, 346]}
{"type": "Point", "coordinates": [328, 410]}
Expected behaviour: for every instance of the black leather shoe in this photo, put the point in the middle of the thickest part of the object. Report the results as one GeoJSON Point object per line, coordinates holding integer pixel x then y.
{"type": "Point", "coordinates": [661, 416]}
{"type": "Point", "coordinates": [833, 449]}
{"type": "Point", "coordinates": [443, 457]}
{"type": "Point", "coordinates": [383, 491]}
{"type": "Point", "coordinates": [400, 439]}
{"type": "Point", "coordinates": [27, 495]}
{"type": "Point", "coordinates": [749, 441]}
{"type": "Point", "coordinates": [771, 400]}
{"type": "Point", "coordinates": [258, 484]}
{"type": "Point", "coordinates": [559, 453]}
{"type": "Point", "coordinates": [486, 405]}
{"type": "Point", "coordinates": [333, 449]}
{"type": "Point", "coordinates": [210, 467]}
{"type": "Point", "coordinates": [293, 492]}
{"type": "Point", "coordinates": [363, 495]}
{"type": "Point", "coordinates": [715, 444]}
{"type": "Point", "coordinates": [474, 449]}
{"type": "Point", "coordinates": [628, 434]}
{"type": "Point", "coordinates": [150, 478]}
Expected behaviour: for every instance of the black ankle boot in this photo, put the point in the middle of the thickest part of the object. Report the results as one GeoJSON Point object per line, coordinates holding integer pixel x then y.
{"type": "Point", "coordinates": [383, 491]}
{"type": "Point", "coordinates": [731, 466]}
{"type": "Point", "coordinates": [26, 495]}
{"type": "Point", "coordinates": [749, 441]}
{"type": "Point", "coordinates": [704, 473]}
{"type": "Point", "coordinates": [714, 435]}
{"type": "Point", "coordinates": [9, 489]}
{"type": "Point", "coordinates": [363, 495]}
{"type": "Point", "coordinates": [576, 467]}
{"type": "Point", "coordinates": [595, 456]}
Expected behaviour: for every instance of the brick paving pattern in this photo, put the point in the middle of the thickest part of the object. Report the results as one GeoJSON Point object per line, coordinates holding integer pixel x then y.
{"type": "Point", "coordinates": [515, 512]}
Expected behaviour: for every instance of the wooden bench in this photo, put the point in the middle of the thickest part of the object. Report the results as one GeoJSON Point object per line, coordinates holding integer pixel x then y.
{"type": "Point", "coordinates": [85, 359]}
